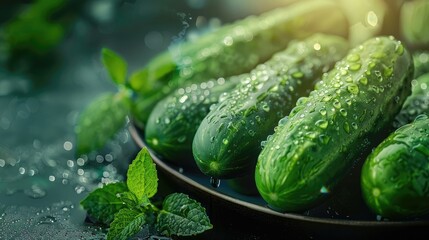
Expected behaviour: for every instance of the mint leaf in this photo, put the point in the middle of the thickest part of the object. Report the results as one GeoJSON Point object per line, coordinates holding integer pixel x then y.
{"type": "Point", "coordinates": [142, 179]}
{"type": "Point", "coordinates": [99, 122]}
{"type": "Point", "coordinates": [138, 81]}
{"type": "Point", "coordinates": [103, 203]}
{"type": "Point", "coordinates": [115, 65]}
{"type": "Point", "coordinates": [182, 216]}
{"type": "Point", "coordinates": [127, 223]}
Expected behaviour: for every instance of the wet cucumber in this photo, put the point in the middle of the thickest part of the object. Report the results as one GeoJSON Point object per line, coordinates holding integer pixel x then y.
{"type": "Point", "coordinates": [172, 124]}
{"type": "Point", "coordinates": [395, 176]}
{"type": "Point", "coordinates": [228, 140]}
{"type": "Point", "coordinates": [233, 49]}
{"type": "Point", "coordinates": [417, 103]}
{"type": "Point", "coordinates": [342, 118]}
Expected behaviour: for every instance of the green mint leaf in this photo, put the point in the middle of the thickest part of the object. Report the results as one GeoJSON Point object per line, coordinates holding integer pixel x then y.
{"type": "Point", "coordinates": [138, 81]}
{"type": "Point", "coordinates": [115, 65]}
{"type": "Point", "coordinates": [142, 179]}
{"type": "Point", "coordinates": [127, 223]}
{"type": "Point", "coordinates": [182, 216]}
{"type": "Point", "coordinates": [103, 203]}
{"type": "Point", "coordinates": [99, 122]}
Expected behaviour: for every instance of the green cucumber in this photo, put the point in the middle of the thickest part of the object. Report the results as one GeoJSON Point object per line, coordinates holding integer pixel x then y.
{"type": "Point", "coordinates": [233, 49]}
{"type": "Point", "coordinates": [346, 114]}
{"type": "Point", "coordinates": [395, 176]}
{"type": "Point", "coordinates": [228, 141]}
{"type": "Point", "coordinates": [417, 103]}
{"type": "Point", "coordinates": [173, 122]}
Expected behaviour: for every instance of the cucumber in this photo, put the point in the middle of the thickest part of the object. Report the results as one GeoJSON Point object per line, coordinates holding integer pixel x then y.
{"type": "Point", "coordinates": [233, 49]}
{"type": "Point", "coordinates": [304, 160]}
{"type": "Point", "coordinates": [173, 122]}
{"type": "Point", "coordinates": [228, 140]}
{"type": "Point", "coordinates": [395, 176]}
{"type": "Point", "coordinates": [417, 103]}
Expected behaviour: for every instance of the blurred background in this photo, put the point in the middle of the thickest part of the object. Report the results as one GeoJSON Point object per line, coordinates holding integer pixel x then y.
{"type": "Point", "coordinates": [50, 69]}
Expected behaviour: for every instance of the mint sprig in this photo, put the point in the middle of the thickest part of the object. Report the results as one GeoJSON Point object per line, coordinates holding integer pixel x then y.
{"type": "Point", "coordinates": [128, 208]}
{"type": "Point", "coordinates": [105, 116]}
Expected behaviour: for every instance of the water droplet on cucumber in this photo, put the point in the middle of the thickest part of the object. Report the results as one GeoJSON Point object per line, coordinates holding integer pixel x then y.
{"type": "Point", "coordinates": [214, 182]}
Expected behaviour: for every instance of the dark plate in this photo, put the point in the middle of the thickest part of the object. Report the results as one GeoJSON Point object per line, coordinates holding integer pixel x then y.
{"type": "Point", "coordinates": [238, 216]}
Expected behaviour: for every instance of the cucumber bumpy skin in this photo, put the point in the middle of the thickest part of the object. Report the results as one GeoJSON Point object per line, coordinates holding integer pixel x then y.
{"type": "Point", "coordinates": [417, 103]}
{"type": "Point", "coordinates": [233, 49]}
{"type": "Point", "coordinates": [172, 124]}
{"type": "Point", "coordinates": [328, 131]}
{"type": "Point", "coordinates": [228, 140]}
{"type": "Point", "coordinates": [395, 176]}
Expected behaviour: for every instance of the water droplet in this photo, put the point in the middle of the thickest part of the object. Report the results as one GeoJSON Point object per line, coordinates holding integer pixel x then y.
{"type": "Point", "coordinates": [297, 74]}
{"type": "Point", "coordinates": [183, 98]}
{"type": "Point", "coordinates": [283, 121]}
{"type": "Point", "coordinates": [302, 100]}
{"type": "Point", "coordinates": [324, 190]}
{"type": "Point", "coordinates": [421, 117]}
{"type": "Point", "coordinates": [355, 66]}
{"type": "Point", "coordinates": [317, 46]}
{"type": "Point", "coordinates": [322, 111]}
{"type": "Point", "coordinates": [399, 49]}
{"type": "Point", "coordinates": [343, 112]}
{"type": "Point", "coordinates": [363, 80]}
{"type": "Point", "coordinates": [337, 103]}
{"type": "Point", "coordinates": [372, 19]}
{"type": "Point", "coordinates": [266, 108]}
{"type": "Point", "coordinates": [388, 72]}
{"type": "Point", "coordinates": [47, 220]}
{"type": "Point", "coordinates": [353, 58]}
{"type": "Point", "coordinates": [322, 124]}
{"type": "Point", "coordinates": [353, 88]}
{"type": "Point", "coordinates": [68, 146]}
{"type": "Point", "coordinates": [327, 98]}
{"type": "Point", "coordinates": [311, 135]}
{"type": "Point", "coordinates": [167, 120]}
{"type": "Point", "coordinates": [35, 192]}
{"type": "Point", "coordinates": [354, 125]}
{"type": "Point", "coordinates": [324, 138]}
{"type": "Point", "coordinates": [225, 141]}
{"type": "Point", "coordinates": [214, 182]}
{"type": "Point", "coordinates": [228, 41]}
{"type": "Point", "coordinates": [346, 127]}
